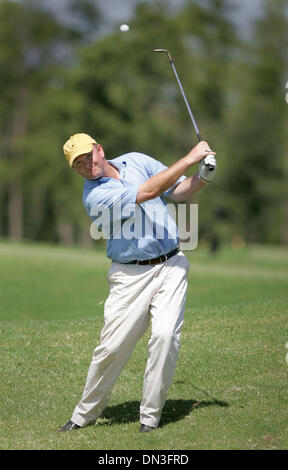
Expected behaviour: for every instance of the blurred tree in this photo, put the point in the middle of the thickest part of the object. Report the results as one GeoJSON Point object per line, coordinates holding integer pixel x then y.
{"type": "Point", "coordinates": [256, 132]}
{"type": "Point", "coordinates": [212, 51]}
{"type": "Point", "coordinates": [25, 37]}
{"type": "Point", "coordinates": [30, 40]}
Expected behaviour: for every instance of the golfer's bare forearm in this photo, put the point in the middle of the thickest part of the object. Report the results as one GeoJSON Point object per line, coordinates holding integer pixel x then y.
{"type": "Point", "coordinates": [187, 188]}
{"type": "Point", "coordinates": [158, 184]}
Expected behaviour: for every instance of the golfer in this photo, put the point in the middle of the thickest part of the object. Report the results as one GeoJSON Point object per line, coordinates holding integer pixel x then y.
{"type": "Point", "coordinates": [148, 273]}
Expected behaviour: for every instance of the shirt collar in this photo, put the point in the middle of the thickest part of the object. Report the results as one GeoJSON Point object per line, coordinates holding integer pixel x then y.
{"type": "Point", "coordinates": [120, 165]}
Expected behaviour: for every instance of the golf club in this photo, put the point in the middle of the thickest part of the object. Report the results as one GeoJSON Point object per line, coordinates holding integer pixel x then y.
{"type": "Point", "coordinates": [184, 96]}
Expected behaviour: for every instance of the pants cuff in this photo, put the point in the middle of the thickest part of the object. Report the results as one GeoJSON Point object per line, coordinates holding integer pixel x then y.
{"type": "Point", "coordinates": [80, 421]}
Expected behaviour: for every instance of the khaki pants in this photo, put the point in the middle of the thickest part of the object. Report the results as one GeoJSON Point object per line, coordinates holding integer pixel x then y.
{"type": "Point", "coordinates": [136, 293]}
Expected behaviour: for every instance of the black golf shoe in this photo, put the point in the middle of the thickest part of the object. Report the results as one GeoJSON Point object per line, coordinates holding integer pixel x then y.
{"type": "Point", "coordinates": [70, 426]}
{"type": "Point", "coordinates": [144, 428]}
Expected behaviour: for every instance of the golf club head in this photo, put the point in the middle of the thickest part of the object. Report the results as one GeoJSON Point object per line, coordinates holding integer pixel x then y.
{"type": "Point", "coordinates": [166, 52]}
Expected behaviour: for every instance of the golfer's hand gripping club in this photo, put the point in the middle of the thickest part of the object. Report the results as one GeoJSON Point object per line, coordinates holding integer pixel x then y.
{"type": "Point", "coordinates": [206, 168]}
{"type": "Point", "coordinates": [208, 164]}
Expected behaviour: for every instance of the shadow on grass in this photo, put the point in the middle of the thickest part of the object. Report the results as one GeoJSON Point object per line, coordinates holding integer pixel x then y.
{"type": "Point", "coordinates": [174, 410]}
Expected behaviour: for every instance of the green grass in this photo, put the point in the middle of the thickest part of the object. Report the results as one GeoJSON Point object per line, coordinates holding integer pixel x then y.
{"type": "Point", "coordinates": [230, 386]}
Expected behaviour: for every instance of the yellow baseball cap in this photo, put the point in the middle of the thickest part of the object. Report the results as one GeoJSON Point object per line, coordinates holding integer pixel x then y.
{"type": "Point", "coordinates": [77, 144]}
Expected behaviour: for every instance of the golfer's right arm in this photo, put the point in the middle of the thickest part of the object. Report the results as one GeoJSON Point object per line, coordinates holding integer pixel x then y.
{"type": "Point", "coordinates": [159, 183]}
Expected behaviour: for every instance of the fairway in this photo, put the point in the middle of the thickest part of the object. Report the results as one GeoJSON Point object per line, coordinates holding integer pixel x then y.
{"type": "Point", "coordinates": [230, 386]}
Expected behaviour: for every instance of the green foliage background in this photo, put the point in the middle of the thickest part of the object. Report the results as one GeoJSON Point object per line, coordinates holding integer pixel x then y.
{"type": "Point", "coordinates": [58, 79]}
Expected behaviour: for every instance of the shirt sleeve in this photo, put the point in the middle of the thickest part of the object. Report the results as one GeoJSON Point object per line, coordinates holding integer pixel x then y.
{"type": "Point", "coordinates": [106, 198]}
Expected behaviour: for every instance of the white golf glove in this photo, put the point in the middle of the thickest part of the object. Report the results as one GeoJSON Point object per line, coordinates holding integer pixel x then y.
{"type": "Point", "coordinates": [207, 168]}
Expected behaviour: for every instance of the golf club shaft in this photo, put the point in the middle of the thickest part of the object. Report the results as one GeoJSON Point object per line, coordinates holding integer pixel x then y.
{"type": "Point", "coordinates": [182, 91]}
{"type": "Point", "coordinates": [186, 101]}
{"type": "Point", "coordinates": [184, 96]}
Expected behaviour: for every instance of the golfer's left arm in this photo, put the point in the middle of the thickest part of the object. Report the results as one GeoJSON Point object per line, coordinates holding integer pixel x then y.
{"type": "Point", "coordinates": [191, 185]}
{"type": "Point", "coordinates": [187, 188]}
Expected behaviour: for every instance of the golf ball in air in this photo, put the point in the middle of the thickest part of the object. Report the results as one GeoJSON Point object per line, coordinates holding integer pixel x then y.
{"type": "Point", "coordinates": [124, 27]}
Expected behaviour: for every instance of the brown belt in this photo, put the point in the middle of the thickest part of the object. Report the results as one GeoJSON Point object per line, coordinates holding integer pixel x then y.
{"type": "Point", "coordinates": [158, 260]}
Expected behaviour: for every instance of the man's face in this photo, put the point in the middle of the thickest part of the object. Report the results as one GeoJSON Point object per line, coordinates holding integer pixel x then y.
{"type": "Point", "coordinates": [90, 165]}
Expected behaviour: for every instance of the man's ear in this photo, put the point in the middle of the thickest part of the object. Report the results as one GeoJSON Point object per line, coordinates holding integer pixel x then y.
{"type": "Point", "coordinates": [100, 150]}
